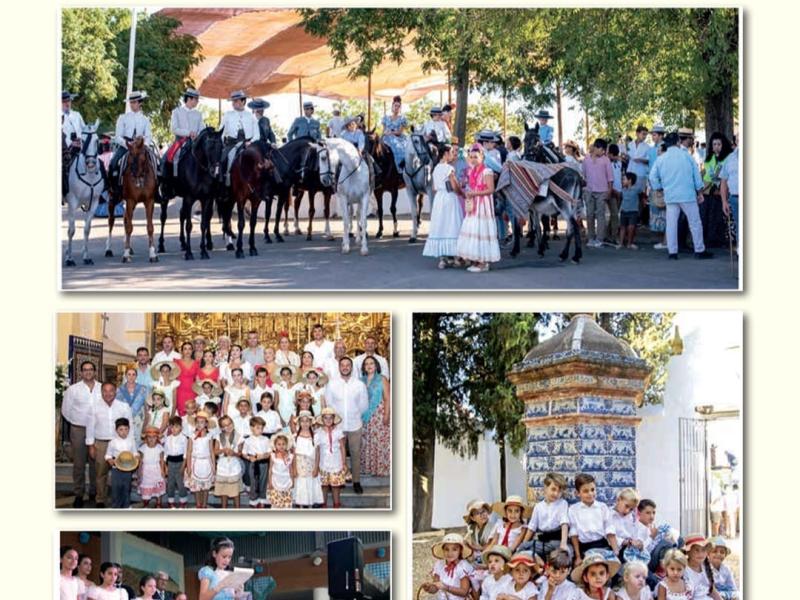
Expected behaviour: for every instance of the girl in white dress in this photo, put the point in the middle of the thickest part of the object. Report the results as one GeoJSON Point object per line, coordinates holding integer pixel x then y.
{"type": "Point", "coordinates": [511, 530]}
{"type": "Point", "coordinates": [285, 390]}
{"type": "Point", "coordinates": [698, 573]}
{"type": "Point", "coordinates": [227, 449]}
{"type": "Point", "coordinates": [156, 411]}
{"type": "Point", "coordinates": [164, 376]}
{"type": "Point", "coordinates": [594, 574]}
{"type": "Point", "coordinates": [307, 488]}
{"type": "Point", "coordinates": [199, 461]}
{"type": "Point", "coordinates": [147, 587]}
{"type": "Point", "coordinates": [634, 582]}
{"type": "Point", "coordinates": [524, 570]}
{"type": "Point", "coordinates": [477, 240]}
{"type": "Point", "coordinates": [446, 214]}
{"type": "Point", "coordinates": [152, 468]}
{"type": "Point", "coordinates": [234, 361]}
{"type": "Point", "coordinates": [281, 472]}
{"type": "Point", "coordinates": [70, 587]}
{"type": "Point", "coordinates": [496, 560]}
{"type": "Point", "coordinates": [674, 586]}
{"type": "Point", "coordinates": [302, 402]}
{"type": "Point", "coordinates": [314, 380]}
{"type": "Point", "coordinates": [329, 440]}
{"type": "Point", "coordinates": [233, 392]}
{"type": "Point", "coordinates": [107, 590]}
{"type": "Point", "coordinates": [452, 570]}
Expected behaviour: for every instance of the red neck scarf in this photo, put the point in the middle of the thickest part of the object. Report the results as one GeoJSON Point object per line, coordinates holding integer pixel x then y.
{"type": "Point", "coordinates": [476, 178]}
{"type": "Point", "coordinates": [450, 568]}
{"type": "Point", "coordinates": [506, 534]}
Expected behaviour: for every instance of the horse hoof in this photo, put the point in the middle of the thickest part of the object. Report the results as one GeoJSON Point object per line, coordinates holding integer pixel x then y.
{"type": "Point", "coordinates": [279, 238]}
{"type": "Point", "coordinates": [298, 232]}
{"type": "Point", "coordinates": [240, 254]}
{"type": "Point", "coordinates": [161, 248]}
{"type": "Point", "coordinates": [210, 245]}
{"type": "Point", "coordinates": [126, 259]}
{"type": "Point", "coordinates": [412, 240]}
{"type": "Point", "coordinates": [396, 234]}
{"type": "Point", "coordinates": [379, 235]}
{"type": "Point", "coordinates": [541, 254]}
{"type": "Point", "coordinates": [204, 255]}
{"type": "Point", "coordinates": [308, 237]}
{"type": "Point", "coordinates": [230, 247]}
{"type": "Point", "coordinates": [188, 256]}
{"type": "Point", "coordinates": [183, 246]}
{"type": "Point", "coordinates": [132, 252]}
{"type": "Point", "coordinates": [364, 252]}
{"type": "Point", "coordinates": [267, 239]}
{"type": "Point", "coordinates": [345, 250]}
{"type": "Point", "coordinates": [70, 263]}
{"type": "Point", "coordinates": [88, 261]}
{"type": "Point", "coordinates": [330, 238]}
{"type": "Point", "coordinates": [154, 259]}
{"type": "Point", "coordinates": [253, 252]}
{"type": "Point", "coordinates": [576, 261]}
{"type": "Point", "coordinates": [109, 254]}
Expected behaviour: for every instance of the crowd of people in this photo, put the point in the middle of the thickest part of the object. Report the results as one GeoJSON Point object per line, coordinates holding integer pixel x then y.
{"type": "Point", "coordinates": [557, 550]}
{"type": "Point", "coordinates": [270, 423]}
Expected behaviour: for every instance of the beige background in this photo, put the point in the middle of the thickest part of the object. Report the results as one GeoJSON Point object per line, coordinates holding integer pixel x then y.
{"type": "Point", "coordinates": [29, 193]}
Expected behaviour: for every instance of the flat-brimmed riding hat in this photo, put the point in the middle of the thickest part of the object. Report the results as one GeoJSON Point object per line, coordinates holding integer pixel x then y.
{"type": "Point", "coordinates": [349, 120]}
{"type": "Point", "coordinates": [157, 392]}
{"type": "Point", "coordinates": [155, 370]}
{"type": "Point", "coordinates": [596, 557]}
{"type": "Point", "coordinates": [436, 110]}
{"type": "Point", "coordinates": [322, 379]}
{"type": "Point", "coordinates": [137, 96]}
{"type": "Point", "coordinates": [694, 539]}
{"type": "Point", "coordinates": [451, 538]}
{"type": "Point", "coordinates": [543, 114]}
{"type": "Point", "coordinates": [308, 105]}
{"type": "Point", "coordinates": [329, 411]}
{"type": "Point", "coordinates": [126, 461]}
{"type": "Point", "coordinates": [475, 505]}
{"type": "Point", "coordinates": [719, 542]}
{"type": "Point", "coordinates": [197, 387]}
{"type": "Point", "coordinates": [238, 95]}
{"type": "Point", "coordinates": [500, 507]}
{"type": "Point", "coordinates": [488, 136]}
{"type": "Point", "coordinates": [685, 132]}
{"type": "Point", "coordinates": [496, 550]}
{"type": "Point", "coordinates": [258, 104]}
{"type": "Point", "coordinates": [65, 95]}
{"type": "Point", "coordinates": [285, 436]}
{"type": "Point", "coordinates": [191, 93]}
{"type": "Point", "coordinates": [658, 128]}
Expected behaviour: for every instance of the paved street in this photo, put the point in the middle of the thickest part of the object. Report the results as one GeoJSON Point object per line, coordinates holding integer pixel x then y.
{"type": "Point", "coordinates": [393, 264]}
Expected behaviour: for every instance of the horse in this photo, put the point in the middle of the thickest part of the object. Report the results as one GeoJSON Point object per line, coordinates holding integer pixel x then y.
{"type": "Point", "coordinates": [569, 180]}
{"type": "Point", "coordinates": [353, 187]}
{"type": "Point", "coordinates": [421, 157]}
{"type": "Point", "coordinates": [390, 179]}
{"type": "Point", "coordinates": [139, 182]}
{"type": "Point", "coordinates": [86, 184]}
{"type": "Point", "coordinates": [197, 180]}
{"type": "Point", "coordinates": [248, 182]}
{"type": "Point", "coordinates": [309, 182]}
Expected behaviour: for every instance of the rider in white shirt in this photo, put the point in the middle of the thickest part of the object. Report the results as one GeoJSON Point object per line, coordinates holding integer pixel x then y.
{"type": "Point", "coordinates": [72, 123]}
{"type": "Point", "coordinates": [186, 122]}
{"type": "Point", "coordinates": [239, 126]}
{"type": "Point", "coordinates": [130, 125]}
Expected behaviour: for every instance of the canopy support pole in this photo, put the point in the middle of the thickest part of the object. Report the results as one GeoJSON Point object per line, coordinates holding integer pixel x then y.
{"type": "Point", "coordinates": [219, 112]}
{"type": "Point", "coordinates": [449, 88]}
{"type": "Point", "coordinates": [131, 59]}
{"type": "Point", "coordinates": [558, 114]}
{"type": "Point", "coordinates": [369, 101]}
{"type": "Point", "coordinates": [300, 93]}
{"type": "Point", "coordinates": [587, 130]}
{"type": "Point", "coordinates": [504, 113]}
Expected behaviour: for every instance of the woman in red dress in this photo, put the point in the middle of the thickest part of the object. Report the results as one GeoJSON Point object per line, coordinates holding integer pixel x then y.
{"type": "Point", "coordinates": [189, 368]}
{"type": "Point", "coordinates": [207, 368]}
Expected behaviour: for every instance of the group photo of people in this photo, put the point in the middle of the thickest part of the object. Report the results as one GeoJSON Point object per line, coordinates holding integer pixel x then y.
{"type": "Point", "coordinates": [259, 419]}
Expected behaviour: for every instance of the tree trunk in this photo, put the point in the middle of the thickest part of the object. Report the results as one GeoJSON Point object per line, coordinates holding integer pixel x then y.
{"type": "Point", "coordinates": [558, 115]}
{"type": "Point", "coordinates": [423, 485]}
{"type": "Point", "coordinates": [719, 112]}
{"type": "Point", "coordinates": [502, 445]}
{"type": "Point", "coordinates": [462, 98]}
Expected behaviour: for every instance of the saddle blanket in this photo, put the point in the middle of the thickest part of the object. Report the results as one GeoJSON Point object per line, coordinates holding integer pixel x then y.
{"type": "Point", "coordinates": [522, 181]}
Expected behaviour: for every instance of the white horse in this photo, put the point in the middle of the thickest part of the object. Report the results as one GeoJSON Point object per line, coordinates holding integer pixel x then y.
{"type": "Point", "coordinates": [417, 176]}
{"type": "Point", "coordinates": [86, 184]}
{"type": "Point", "coordinates": [341, 163]}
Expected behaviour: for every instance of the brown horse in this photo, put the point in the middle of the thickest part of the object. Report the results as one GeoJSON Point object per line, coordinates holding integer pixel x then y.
{"type": "Point", "coordinates": [139, 182]}
{"type": "Point", "coordinates": [248, 182]}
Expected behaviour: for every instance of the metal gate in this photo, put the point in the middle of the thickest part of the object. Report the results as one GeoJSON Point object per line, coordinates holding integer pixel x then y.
{"type": "Point", "coordinates": [693, 476]}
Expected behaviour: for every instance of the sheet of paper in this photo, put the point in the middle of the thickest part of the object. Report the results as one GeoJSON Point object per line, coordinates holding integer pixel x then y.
{"type": "Point", "coordinates": [237, 577]}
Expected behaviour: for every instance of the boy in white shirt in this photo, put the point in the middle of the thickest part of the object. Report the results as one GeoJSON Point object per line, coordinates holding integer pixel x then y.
{"type": "Point", "coordinates": [272, 420]}
{"type": "Point", "coordinates": [175, 455]}
{"type": "Point", "coordinates": [556, 577]}
{"type": "Point", "coordinates": [646, 530]}
{"type": "Point", "coordinates": [550, 518]}
{"type": "Point", "coordinates": [590, 523]}
{"type": "Point", "coordinates": [255, 452]}
{"type": "Point", "coordinates": [121, 477]}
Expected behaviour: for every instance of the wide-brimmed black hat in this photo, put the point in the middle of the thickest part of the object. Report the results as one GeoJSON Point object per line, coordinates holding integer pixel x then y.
{"type": "Point", "coordinates": [238, 95]}
{"type": "Point", "coordinates": [308, 105]}
{"type": "Point", "coordinates": [191, 93]}
{"type": "Point", "coordinates": [65, 95]}
{"type": "Point", "coordinates": [543, 114]}
{"type": "Point", "coordinates": [258, 104]}
{"type": "Point", "coordinates": [488, 136]}
{"type": "Point", "coordinates": [436, 110]}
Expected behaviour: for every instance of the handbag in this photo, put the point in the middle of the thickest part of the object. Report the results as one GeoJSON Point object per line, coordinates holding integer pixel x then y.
{"type": "Point", "coordinates": [658, 199]}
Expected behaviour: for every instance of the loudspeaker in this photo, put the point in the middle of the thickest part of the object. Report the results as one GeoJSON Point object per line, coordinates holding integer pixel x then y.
{"type": "Point", "coordinates": [346, 569]}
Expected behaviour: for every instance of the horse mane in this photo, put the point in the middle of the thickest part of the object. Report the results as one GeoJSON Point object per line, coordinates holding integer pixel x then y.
{"type": "Point", "coordinates": [248, 163]}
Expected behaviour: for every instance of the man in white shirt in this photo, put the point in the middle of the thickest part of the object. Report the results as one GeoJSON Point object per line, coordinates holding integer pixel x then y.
{"type": "Point", "coordinates": [254, 352]}
{"type": "Point", "coordinates": [331, 366]}
{"type": "Point", "coordinates": [436, 130]}
{"type": "Point", "coordinates": [321, 348]}
{"type": "Point", "coordinates": [100, 431]}
{"type": "Point", "coordinates": [370, 345]}
{"type": "Point", "coordinates": [336, 124]}
{"type": "Point", "coordinates": [185, 123]}
{"type": "Point", "coordinates": [77, 410]}
{"type": "Point", "coordinates": [239, 128]}
{"type": "Point", "coordinates": [347, 395]}
{"type": "Point", "coordinates": [72, 123]}
{"type": "Point", "coordinates": [168, 351]}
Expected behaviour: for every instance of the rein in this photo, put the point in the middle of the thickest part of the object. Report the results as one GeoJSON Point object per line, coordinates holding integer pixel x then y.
{"type": "Point", "coordinates": [82, 176]}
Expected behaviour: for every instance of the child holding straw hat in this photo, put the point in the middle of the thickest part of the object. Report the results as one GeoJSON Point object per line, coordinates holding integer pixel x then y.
{"type": "Point", "coordinates": [451, 571]}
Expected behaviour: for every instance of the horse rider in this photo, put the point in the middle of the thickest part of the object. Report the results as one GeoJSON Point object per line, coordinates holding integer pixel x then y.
{"type": "Point", "coordinates": [545, 131]}
{"type": "Point", "coordinates": [355, 135]}
{"type": "Point", "coordinates": [435, 130]}
{"type": "Point", "coordinates": [185, 124]}
{"type": "Point", "coordinates": [305, 126]}
{"type": "Point", "coordinates": [130, 125]}
{"type": "Point", "coordinates": [239, 130]}
{"type": "Point", "coordinates": [336, 123]}
{"type": "Point", "coordinates": [71, 129]}
{"type": "Point", "coordinates": [265, 133]}
{"type": "Point", "coordinates": [491, 155]}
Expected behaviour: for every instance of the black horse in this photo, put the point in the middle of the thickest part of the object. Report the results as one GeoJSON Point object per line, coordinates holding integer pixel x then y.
{"type": "Point", "coordinates": [390, 180]}
{"type": "Point", "coordinates": [197, 180]}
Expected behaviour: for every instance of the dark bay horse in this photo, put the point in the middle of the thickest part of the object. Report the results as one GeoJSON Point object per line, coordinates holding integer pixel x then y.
{"type": "Point", "coordinates": [390, 180]}
{"type": "Point", "coordinates": [310, 182]}
{"type": "Point", "coordinates": [197, 180]}
{"type": "Point", "coordinates": [248, 182]}
{"type": "Point", "coordinates": [139, 182]}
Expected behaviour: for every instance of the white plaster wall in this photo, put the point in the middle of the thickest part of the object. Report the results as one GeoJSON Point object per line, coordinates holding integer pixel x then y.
{"type": "Point", "coordinates": [127, 330]}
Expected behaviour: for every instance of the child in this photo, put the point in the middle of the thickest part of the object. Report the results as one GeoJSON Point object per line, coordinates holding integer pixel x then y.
{"type": "Point", "coordinates": [590, 523]}
{"type": "Point", "coordinates": [199, 461]}
{"type": "Point", "coordinates": [187, 420]}
{"type": "Point", "coordinates": [181, 596]}
{"type": "Point", "coordinates": [698, 572]}
{"type": "Point", "coordinates": [674, 586]}
{"type": "Point", "coordinates": [329, 441]}
{"type": "Point", "coordinates": [241, 420]}
{"type": "Point", "coordinates": [307, 488]}
{"type": "Point", "coordinates": [285, 389]}
{"type": "Point", "coordinates": [153, 468]}
{"type": "Point", "coordinates": [634, 582]}
{"type": "Point", "coordinates": [615, 198]}
{"type": "Point", "coordinates": [107, 590]}
{"type": "Point", "coordinates": [302, 403]}
{"type": "Point", "coordinates": [645, 530]}
{"type": "Point", "coordinates": [480, 522]}
{"type": "Point", "coordinates": [122, 458]}
{"type": "Point", "coordinates": [175, 455]}
{"type": "Point", "coordinates": [511, 531]}
{"type": "Point", "coordinates": [314, 381]}
{"type": "Point", "coordinates": [623, 521]}
{"type": "Point", "coordinates": [628, 212]}
{"type": "Point", "coordinates": [556, 573]}
{"type": "Point", "coordinates": [723, 576]}
{"type": "Point", "coordinates": [451, 571]}
{"type": "Point", "coordinates": [281, 473]}
{"type": "Point", "coordinates": [207, 390]}
{"type": "Point", "coordinates": [593, 574]}
{"type": "Point", "coordinates": [217, 566]}
{"type": "Point", "coordinates": [477, 238]}
{"type": "Point", "coordinates": [156, 412]}
{"type": "Point", "coordinates": [236, 390]}
{"type": "Point", "coordinates": [524, 569]}
{"type": "Point", "coordinates": [255, 451]}
{"type": "Point", "coordinates": [272, 420]}
{"type": "Point", "coordinates": [550, 518]}
{"type": "Point", "coordinates": [261, 384]}
{"type": "Point", "coordinates": [446, 214]}
{"type": "Point", "coordinates": [495, 559]}
{"type": "Point", "coordinates": [545, 130]}
{"type": "Point", "coordinates": [229, 467]}
{"type": "Point", "coordinates": [212, 410]}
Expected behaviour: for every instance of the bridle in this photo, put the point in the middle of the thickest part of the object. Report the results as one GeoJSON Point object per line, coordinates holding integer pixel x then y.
{"type": "Point", "coordinates": [207, 164]}
{"type": "Point", "coordinates": [87, 160]}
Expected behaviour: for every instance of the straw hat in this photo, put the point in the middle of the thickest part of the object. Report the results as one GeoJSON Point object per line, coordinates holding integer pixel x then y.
{"type": "Point", "coordinates": [719, 542]}
{"type": "Point", "coordinates": [595, 557]}
{"type": "Point", "coordinates": [500, 507]}
{"type": "Point", "coordinates": [322, 379]}
{"type": "Point", "coordinates": [329, 411]}
{"type": "Point", "coordinates": [497, 550]}
{"type": "Point", "coordinates": [197, 387]}
{"type": "Point", "coordinates": [285, 436]}
{"type": "Point", "coordinates": [685, 132]}
{"type": "Point", "coordinates": [305, 414]}
{"type": "Point", "coordinates": [694, 539]}
{"type": "Point", "coordinates": [155, 370]}
{"type": "Point", "coordinates": [127, 461]}
{"type": "Point", "coordinates": [475, 505]}
{"type": "Point", "coordinates": [201, 414]}
{"type": "Point", "coordinates": [451, 538]}
{"type": "Point", "coordinates": [572, 144]}
{"type": "Point", "coordinates": [157, 392]}
{"type": "Point", "coordinates": [137, 96]}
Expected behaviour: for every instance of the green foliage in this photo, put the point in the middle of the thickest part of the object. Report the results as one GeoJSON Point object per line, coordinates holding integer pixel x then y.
{"type": "Point", "coordinates": [62, 382]}
{"type": "Point", "coordinates": [488, 114]}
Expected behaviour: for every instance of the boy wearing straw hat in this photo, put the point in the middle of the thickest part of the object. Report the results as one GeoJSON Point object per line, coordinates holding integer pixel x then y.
{"type": "Point", "coordinates": [123, 459]}
{"type": "Point", "coordinates": [723, 576]}
{"type": "Point", "coordinates": [451, 571]}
